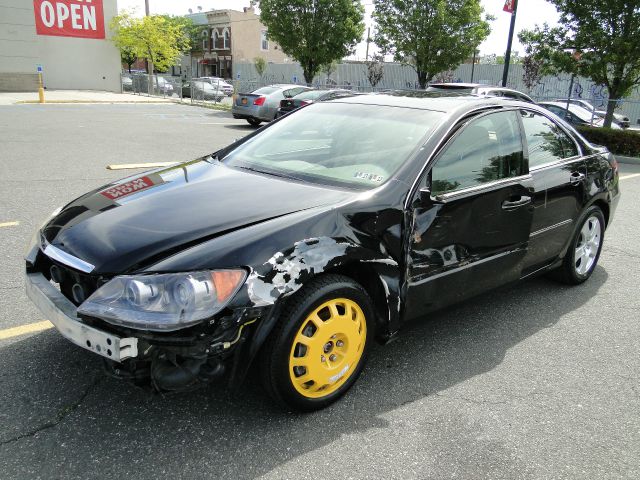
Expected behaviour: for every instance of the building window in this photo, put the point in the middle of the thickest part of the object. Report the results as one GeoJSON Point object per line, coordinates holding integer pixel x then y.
{"type": "Point", "coordinates": [205, 40]}
{"type": "Point", "coordinates": [215, 37]}
{"type": "Point", "coordinates": [264, 43]}
{"type": "Point", "coordinates": [226, 37]}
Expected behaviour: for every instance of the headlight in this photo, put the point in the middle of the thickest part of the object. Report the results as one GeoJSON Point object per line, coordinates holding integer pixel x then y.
{"type": "Point", "coordinates": [34, 242]}
{"type": "Point", "coordinates": [163, 302]}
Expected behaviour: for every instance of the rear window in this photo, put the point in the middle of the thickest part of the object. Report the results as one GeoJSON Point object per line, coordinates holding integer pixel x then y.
{"type": "Point", "coordinates": [450, 89]}
{"type": "Point", "coordinates": [311, 95]}
{"type": "Point", "coordinates": [265, 90]}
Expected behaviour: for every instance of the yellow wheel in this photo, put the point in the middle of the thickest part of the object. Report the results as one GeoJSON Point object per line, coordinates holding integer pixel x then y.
{"type": "Point", "coordinates": [319, 345]}
{"type": "Point", "coordinates": [327, 347]}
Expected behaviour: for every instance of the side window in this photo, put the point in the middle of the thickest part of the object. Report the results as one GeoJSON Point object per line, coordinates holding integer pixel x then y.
{"type": "Point", "coordinates": [546, 142]}
{"type": "Point", "coordinates": [487, 149]}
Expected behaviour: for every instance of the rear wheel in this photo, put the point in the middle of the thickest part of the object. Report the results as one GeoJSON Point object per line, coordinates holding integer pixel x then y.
{"type": "Point", "coordinates": [254, 121]}
{"type": "Point", "coordinates": [584, 251]}
{"type": "Point", "coordinates": [318, 349]}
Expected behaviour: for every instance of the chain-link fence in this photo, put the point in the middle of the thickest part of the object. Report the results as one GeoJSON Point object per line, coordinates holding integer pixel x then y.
{"type": "Point", "coordinates": [205, 90]}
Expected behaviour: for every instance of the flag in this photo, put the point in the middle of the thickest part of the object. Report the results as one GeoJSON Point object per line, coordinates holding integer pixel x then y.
{"type": "Point", "coordinates": [509, 6]}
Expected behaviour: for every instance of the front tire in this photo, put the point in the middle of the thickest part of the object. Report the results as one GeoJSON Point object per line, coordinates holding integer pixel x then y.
{"type": "Point", "coordinates": [319, 346]}
{"type": "Point", "coordinates": [584, 250]}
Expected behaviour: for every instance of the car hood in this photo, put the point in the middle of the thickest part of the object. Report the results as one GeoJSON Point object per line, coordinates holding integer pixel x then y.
{"type": "Point", "coordinates": [129, 224]}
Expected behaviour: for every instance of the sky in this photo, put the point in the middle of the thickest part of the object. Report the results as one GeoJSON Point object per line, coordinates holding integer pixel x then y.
{"type": "Point", "coordinates": [530, 13]}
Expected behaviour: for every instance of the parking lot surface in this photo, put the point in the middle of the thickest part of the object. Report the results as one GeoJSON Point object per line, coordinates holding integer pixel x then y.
{"type": "Point", "coordinates": [537, 380]}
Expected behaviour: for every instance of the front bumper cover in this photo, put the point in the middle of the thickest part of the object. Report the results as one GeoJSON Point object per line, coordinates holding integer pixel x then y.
{"type": "Point", "coordinates": [63, 314]}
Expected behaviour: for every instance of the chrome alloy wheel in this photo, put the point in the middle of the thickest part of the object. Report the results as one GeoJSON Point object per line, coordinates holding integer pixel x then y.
{"type": "Point", "coordinates": [588, 245]}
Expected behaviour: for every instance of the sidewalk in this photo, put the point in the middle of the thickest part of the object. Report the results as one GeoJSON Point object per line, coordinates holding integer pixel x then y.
{"type": "Point", "coordinates": [78, 96]}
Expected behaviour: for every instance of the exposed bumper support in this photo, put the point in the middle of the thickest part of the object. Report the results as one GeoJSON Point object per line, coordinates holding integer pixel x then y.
{"type": "Point", "coordinates": [62, 313]}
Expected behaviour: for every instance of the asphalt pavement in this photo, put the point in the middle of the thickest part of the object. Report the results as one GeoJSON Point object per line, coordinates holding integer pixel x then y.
{"type": "Point", "coordinates": [534, 381]}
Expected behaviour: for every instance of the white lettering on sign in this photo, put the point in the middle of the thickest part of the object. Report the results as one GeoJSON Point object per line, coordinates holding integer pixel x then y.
{"type": "Point", "coordinates": [47, 15]}
{"type": "Point", "coordinates": [89, 14]}
{"type": "Point", "coordinates": [75, 16]}
{"type": "Point", "coordinates": [62, 12]}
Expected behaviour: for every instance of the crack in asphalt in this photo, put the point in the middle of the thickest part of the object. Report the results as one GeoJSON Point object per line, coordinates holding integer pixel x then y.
{"type": "Point", "coordinates": [59, 417]}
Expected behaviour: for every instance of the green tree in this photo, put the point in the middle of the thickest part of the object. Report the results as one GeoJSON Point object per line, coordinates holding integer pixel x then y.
{"type": "Point", "coordinates": [152, 38]}
{"type": "Point", "coordinates": [430, 35]}
{"type": "Point", "coordinates": [375, 69]}
{"type": "Point", "coordinates": [260, 65]}
{"type": "Point", "coordinates": [598, 39]}
{"type": "Point", "coordinates": [128, 57]}
{"type": "Point", "coordinates": [314, 32]}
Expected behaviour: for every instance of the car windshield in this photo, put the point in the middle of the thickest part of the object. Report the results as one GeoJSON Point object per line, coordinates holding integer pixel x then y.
{"type": "Point", "coordinates": [341, 144]}
{"type": "Point", "coordinates": [265, 90]}
{"type": "Point", "coordinates": [310, 95]}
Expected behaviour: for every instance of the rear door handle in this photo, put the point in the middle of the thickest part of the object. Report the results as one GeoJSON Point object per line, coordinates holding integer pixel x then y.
{"type": "Point", "coordinates": [512, 205]}
{"type": "Point", "coordinates": [577, 177]}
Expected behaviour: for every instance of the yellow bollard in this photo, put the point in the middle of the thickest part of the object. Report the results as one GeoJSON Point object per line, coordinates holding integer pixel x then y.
{"type": "Point", "coordinates": [40, 88]}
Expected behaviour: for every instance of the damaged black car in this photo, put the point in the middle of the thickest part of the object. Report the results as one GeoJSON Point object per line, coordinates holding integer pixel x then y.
{"type": "Point", "coordinates": [296, 247]}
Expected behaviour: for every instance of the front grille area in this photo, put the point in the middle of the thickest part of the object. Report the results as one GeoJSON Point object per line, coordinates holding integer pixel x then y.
{"type": "Point", "coordinates": [74, 285]}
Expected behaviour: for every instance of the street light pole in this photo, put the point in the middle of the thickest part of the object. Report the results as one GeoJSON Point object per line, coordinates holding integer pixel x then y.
{"type": "Point", "coordinates": [507, 56]}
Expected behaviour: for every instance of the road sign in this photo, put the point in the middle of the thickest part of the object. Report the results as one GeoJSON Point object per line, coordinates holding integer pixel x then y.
{"type": "Point", "coordinates": [238, 76]}
{"type": "Point", "coordinates": [39, 68]}
{"type": "Point", "coordinates": [295, 79]}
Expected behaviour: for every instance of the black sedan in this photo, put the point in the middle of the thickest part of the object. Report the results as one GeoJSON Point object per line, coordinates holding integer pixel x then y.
{"type": "Point", "coordinates": [298, 245]}
{"type": "Point", "coordinates": [307, 98]}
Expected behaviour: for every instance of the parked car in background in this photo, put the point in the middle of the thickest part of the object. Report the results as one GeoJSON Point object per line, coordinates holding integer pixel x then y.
{"type": "Point", "coordinates": [225, 86]}
{"type": "Point", "coordinates": [159, 86]}
{"type": "Point", "coordinates": [198, 90]}
{"type": "Point", "coordinates": [619, 118]}
{"type": "Point", "coordinates": [576, 115]}
{"type": "Point", "coordinates": [127, 84]}
{"type": "Point", "coordinates": [295, 248]}
{"type": "Point", "coordinates": [261, 105]}
{"type": "Point", "coordinates": [307, 98]}
{"type": "Point", "coordinates": [481, 90]}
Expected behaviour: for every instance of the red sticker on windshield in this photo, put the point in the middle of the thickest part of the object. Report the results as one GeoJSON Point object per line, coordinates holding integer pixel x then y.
{"type": "Point", "coordinates": [127, 188]}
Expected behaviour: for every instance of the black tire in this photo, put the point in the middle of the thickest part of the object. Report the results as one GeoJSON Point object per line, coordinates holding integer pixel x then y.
{"type": "Point", "coordinates": [569, 272]}
{"type": "Point", "coordinates": [275, 355]}
{"type": "Point", "coordinates": [254, 122]}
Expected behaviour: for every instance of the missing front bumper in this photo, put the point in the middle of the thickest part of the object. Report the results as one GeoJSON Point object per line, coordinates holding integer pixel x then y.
{"type": "Point", "coordinates": [62, 313]}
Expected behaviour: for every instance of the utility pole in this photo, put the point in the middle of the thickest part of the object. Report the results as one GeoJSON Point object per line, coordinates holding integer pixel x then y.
{"type": "Point", "coordinates": [366, 57]}
{"type": "Point", "coordinates": [509, 6]}
{"type": "Point", "coordinates": [473, 63]}
{"type": "Point", "coordinates": [149, 63]}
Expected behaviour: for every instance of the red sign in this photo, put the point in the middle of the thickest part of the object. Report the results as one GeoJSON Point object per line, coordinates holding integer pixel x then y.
{"type": "Point", "coordinates": [69, 18]}
{"type": "Point", "coordinates": [509, 6]}
{"type": "Point", "coordinates": [127, 188]}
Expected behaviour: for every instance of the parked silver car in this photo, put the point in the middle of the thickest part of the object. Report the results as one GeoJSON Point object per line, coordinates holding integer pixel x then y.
{"type": "Point", "coordinates": [223, 85]}
{"type": "Point", "coordinates": [262, 104]}
{"type": "Point", "coordinates": [619, 118]}
{"type": "Point", "coordinates": [576, 115]}
{"type": "Point", "coordinates": [478, 89]}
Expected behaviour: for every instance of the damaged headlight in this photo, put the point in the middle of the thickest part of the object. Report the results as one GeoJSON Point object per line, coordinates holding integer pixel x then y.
{"type": "Point", "coordinates": [163, 302]}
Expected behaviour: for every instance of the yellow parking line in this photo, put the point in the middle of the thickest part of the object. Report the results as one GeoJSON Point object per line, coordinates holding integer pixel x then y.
{"type": "Point", "coordinates": [9, 224]}
{"type": "Point", "coordinates": [24, 329]}
{"type": "Point", "coordinates": [633, 175]}
{"type": "Point", "coordinates": [127, 166]}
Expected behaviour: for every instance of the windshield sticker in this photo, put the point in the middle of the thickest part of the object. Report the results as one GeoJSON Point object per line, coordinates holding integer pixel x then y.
{"type": "Point", "coordinates": [368, 176]}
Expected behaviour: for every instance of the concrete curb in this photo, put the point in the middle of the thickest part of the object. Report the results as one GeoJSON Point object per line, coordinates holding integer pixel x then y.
{"type": "Point", "coordinates": [630, 160]}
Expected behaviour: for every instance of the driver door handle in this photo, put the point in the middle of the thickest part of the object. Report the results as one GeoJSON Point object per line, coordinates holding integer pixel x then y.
{"type": "Point", "coordinates": [577, 177]}
{"type": "Point", "coordinates": [512, 205]}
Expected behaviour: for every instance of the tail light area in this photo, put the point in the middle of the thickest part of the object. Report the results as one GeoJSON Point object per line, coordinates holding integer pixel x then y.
{"type": "Point", "coordinates": [259, 101]}
{"type": "Point", "coordinates": [304, 103]}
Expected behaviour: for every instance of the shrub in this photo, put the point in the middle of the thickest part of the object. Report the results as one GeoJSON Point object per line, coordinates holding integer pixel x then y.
{"type": "Point", "coordinates": [619, 142]}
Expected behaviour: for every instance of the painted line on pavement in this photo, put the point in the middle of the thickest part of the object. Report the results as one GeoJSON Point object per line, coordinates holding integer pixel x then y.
{"type": "Point", "coordinates": [128, 166]}
{"type": "Point", "coordinates": [626, 177]}
{"type": "Point", "coordinates": [9, 224]}
{"type": "Point", "coordinates": [24, 329]}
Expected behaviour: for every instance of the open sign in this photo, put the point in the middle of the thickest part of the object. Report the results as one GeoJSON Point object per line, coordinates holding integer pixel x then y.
{"type": "Point", "coordinates": [69, 18]}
